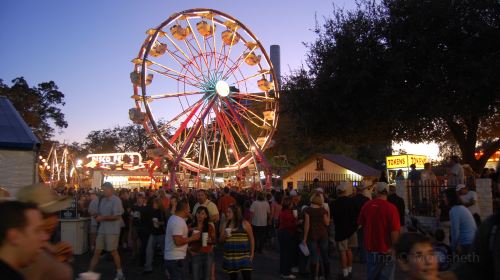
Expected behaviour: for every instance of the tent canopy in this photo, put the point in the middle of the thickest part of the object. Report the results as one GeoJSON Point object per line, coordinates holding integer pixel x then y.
{"type": "Point", "coordinates": [14, 132]}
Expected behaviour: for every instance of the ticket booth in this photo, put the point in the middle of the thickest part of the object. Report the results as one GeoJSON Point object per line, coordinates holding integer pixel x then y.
{"type": "Point", "coordinates": [403, 162]}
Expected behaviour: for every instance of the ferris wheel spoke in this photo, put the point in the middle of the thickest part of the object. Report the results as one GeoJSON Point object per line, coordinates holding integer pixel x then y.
{"type": "Point", "coordinates": [189, 46]}
{"type": "Point", "coordinates": [184, 124]}
{"type": "Point", "coordinates": [183, 64]}
{"type": "Point", "coordinates": [256, 96]}
{"type": "Point", "coordinates": [192, 79]}
{"type": "Point", "coordinates": [214, 45]}
{"type": "Point", "coordinates": [224, 127]}
{"type": "Point", "coordinates": [175, 94]}
{"type": "Point", "coordinates": [261, 73]}
{"type": "Point", "coordinates": [236, 129]}
{"type": "Point", "coordinates": [239, 61]}
{"type": "Point", "coordinates": [247, 110]}
{"type": "Point", "coordinates": [202, 52]}
{"type": "Point", "coordinates": [243, 128]}
{"type": "Point", "coordinates": [181, 50]}
{"type": "Point", "coordinates": [184, 112]}
{"type": "Point", "coordinates": [195, 127]}
{"type": "Point", "coordinates": [229, 51]}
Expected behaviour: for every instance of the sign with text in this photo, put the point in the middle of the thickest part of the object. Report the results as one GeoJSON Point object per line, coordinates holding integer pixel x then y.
{"type": "Point", "coordinates": [72, 211]}
{"type": "Point", "coordinates": [116, 158]}
{"type": "Point", "coordinates": [404, 161]}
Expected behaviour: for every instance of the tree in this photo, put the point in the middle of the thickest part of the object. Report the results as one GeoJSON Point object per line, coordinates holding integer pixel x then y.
{"type": "Point", "coordinates": [39, 106]}
{"type": "Point", "coordinates": [406, 70]}
{"type": "Point", "coordinates": [130, 138]}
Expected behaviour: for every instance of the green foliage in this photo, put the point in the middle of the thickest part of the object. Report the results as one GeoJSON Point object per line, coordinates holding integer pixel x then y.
{"type": "Point", "coordinates": [39, 106]}
{"type": "Point", "coordinates": [403, 70]}
{"type": "Point", "coordinates": [130, 138]}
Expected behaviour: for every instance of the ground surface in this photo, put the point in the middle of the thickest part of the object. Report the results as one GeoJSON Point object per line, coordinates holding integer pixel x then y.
{"type": "Point", "coordinates": [266, 266]}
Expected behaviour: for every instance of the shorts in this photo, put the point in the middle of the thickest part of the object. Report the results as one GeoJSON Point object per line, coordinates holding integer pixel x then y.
{"type": "Point", "coordinates": [108, 242]}
{"type": "Point", "coordinates": [348, 243]}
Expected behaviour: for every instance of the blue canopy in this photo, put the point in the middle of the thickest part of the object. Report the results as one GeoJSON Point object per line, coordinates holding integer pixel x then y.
{"type": "Point", "coordinates": [14, 132]}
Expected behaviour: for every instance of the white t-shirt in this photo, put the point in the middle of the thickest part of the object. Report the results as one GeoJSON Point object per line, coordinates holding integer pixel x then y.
{"type": "Point", "coordinates": [468, 198]}
{"type": "Point", "coordinates": [212, 208]}
{"type": "Point", "coordinates": [175, 226]}
{"type": "Point", "coordinates": [260, 210]}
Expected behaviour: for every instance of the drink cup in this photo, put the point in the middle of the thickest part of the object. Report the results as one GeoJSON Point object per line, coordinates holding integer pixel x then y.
{"type": "Point", "coordinates": [295, 213]}
{"type": "Point", "coordinates": [155, 222]}
{"type": "Point", "coordinates": [195, 231]}
{"type": "Point", "coordinates": [204, 239]}
{"type": "Point", "coordinates": [228, 232]}
{"type": "Point", "coordinates": [89, 275]}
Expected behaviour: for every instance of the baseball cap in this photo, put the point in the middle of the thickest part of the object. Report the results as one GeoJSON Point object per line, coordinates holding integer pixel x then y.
{"type": "Point", "coordinates": [106, 185]}
{"type": "Point", "coordinates": [460, 187]}
{"type": "Point", "coordinates": [382, 186]}
{"type": "Point", "coordinates": [293, 193]}
{"type": "Point", "coordinates": [343, 187]}
{"type": "Point", "coordinates": [320, 190]}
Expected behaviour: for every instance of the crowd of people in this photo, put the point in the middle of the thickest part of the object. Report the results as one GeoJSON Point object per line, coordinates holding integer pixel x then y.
{"type": "Point", "coordinates": [364, 224]}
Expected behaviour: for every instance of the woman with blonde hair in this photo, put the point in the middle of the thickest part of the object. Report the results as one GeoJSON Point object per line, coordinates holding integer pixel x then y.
{"type": "Point", "coordinates": [316, 222]}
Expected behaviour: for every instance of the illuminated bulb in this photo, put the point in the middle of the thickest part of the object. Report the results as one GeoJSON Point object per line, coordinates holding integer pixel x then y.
{"type": "Point", "coordinates": [222, 88]}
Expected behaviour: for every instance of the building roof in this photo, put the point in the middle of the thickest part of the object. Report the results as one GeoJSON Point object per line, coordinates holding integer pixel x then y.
{"type": "Point", "coordinates": [341, 160]}
{"type": "Point", "coordinates": [14, 132]}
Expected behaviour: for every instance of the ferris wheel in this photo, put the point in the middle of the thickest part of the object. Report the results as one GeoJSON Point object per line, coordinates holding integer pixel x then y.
{"type": "Point", "coordinates": [206, 92]}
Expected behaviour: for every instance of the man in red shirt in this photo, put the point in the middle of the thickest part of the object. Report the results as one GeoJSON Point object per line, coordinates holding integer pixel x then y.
{"type": "Point", "coordinates": [380, 221]}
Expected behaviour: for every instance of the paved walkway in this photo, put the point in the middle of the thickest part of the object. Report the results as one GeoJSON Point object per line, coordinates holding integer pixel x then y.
{"type": "Point", "coordinates": [266, 266]}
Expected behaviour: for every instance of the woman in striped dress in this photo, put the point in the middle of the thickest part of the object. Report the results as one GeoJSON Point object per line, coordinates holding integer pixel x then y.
{"type": "Point", "coordinates": [239, 245]}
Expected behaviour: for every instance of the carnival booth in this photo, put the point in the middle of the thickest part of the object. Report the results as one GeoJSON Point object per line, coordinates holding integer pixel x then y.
{"type": "Point", "coordinates": [403, 162]}
{"type": "Point", "coordinates": [18, 149]}
{"type": "Point", "coordinates": [328, 168]}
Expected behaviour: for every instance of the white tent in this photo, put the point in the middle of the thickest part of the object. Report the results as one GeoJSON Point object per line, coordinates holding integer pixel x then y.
{"type": "Point", "coordinates": [18, 149]}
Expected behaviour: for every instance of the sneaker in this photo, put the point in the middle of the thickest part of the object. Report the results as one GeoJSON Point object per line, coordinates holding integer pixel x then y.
{"type": "Point", "coordinates": [295, 269]}
{"type": "Point", "coordinates": [289, 276]}
{"type": "Point", "coordinates": [120, 276]}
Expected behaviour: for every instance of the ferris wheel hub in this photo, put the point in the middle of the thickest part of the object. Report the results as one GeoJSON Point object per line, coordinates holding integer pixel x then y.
{"type": "Point", "coordinates": [222, 88]}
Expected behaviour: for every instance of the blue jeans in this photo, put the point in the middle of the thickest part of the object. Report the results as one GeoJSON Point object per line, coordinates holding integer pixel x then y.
{"type": "Point", "coordinates": [379, 266]}
{"type": "Point", "coordinates": [322, 245]}
{"type": "Point", "coordinates": [202, 265]}
{"type": "Point", "coordinates": [153, 241]}
{"type": "Point", "coordinates": [175, 269]}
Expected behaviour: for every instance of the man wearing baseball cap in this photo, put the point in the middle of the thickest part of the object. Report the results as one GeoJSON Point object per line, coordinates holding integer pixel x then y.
{"type": "Point", "coordinates": [51, 262]}
{"type": "Point", "coordinates": [109, 218]}
{"type": "Point", "coordinates": [380, 221]}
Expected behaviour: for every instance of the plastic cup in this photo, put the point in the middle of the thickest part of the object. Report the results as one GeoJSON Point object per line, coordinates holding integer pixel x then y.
{"type": "Point", "coordinates": [228, 232]}
{"type": "Point", "coordinates": [295, 213]}
{"type": "Point", "coordinates": [204, 239]}
{"type": "Point", "coordinates": [155, 222]}
{"type": "Point", "coordinates": [195, 231]}
{"type": "Point", "coordinates": [89, 275]}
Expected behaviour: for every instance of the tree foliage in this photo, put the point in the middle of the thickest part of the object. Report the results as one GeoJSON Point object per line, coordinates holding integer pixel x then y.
{"type": "Point", "coordinates": [404, 70]}
{"type": "Point", "coordinates": [129, 138]}
{"type": "Point", "coordinates": [39, 106]}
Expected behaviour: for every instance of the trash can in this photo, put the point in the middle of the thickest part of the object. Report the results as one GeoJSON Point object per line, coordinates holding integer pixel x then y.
{"type": "Point", "coordinates": [76, 233]}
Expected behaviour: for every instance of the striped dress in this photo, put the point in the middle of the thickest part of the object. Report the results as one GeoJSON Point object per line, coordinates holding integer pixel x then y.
{"type": "Point", "coordinates": [237, 252]}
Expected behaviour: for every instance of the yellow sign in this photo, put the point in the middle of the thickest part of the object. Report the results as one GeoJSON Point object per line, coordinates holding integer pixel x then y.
{"type": "Point", "coordinates": [404, 161]}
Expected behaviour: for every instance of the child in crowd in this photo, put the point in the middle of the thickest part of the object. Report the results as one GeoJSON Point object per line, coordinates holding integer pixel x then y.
{"type": "Point", "coordinates": [417, 258]}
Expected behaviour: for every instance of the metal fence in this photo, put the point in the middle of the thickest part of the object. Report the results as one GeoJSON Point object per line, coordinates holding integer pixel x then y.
{"type": "Point", "coordinates": [423, 200]}
{"type": "Point", "coordinates": [327, 181]}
